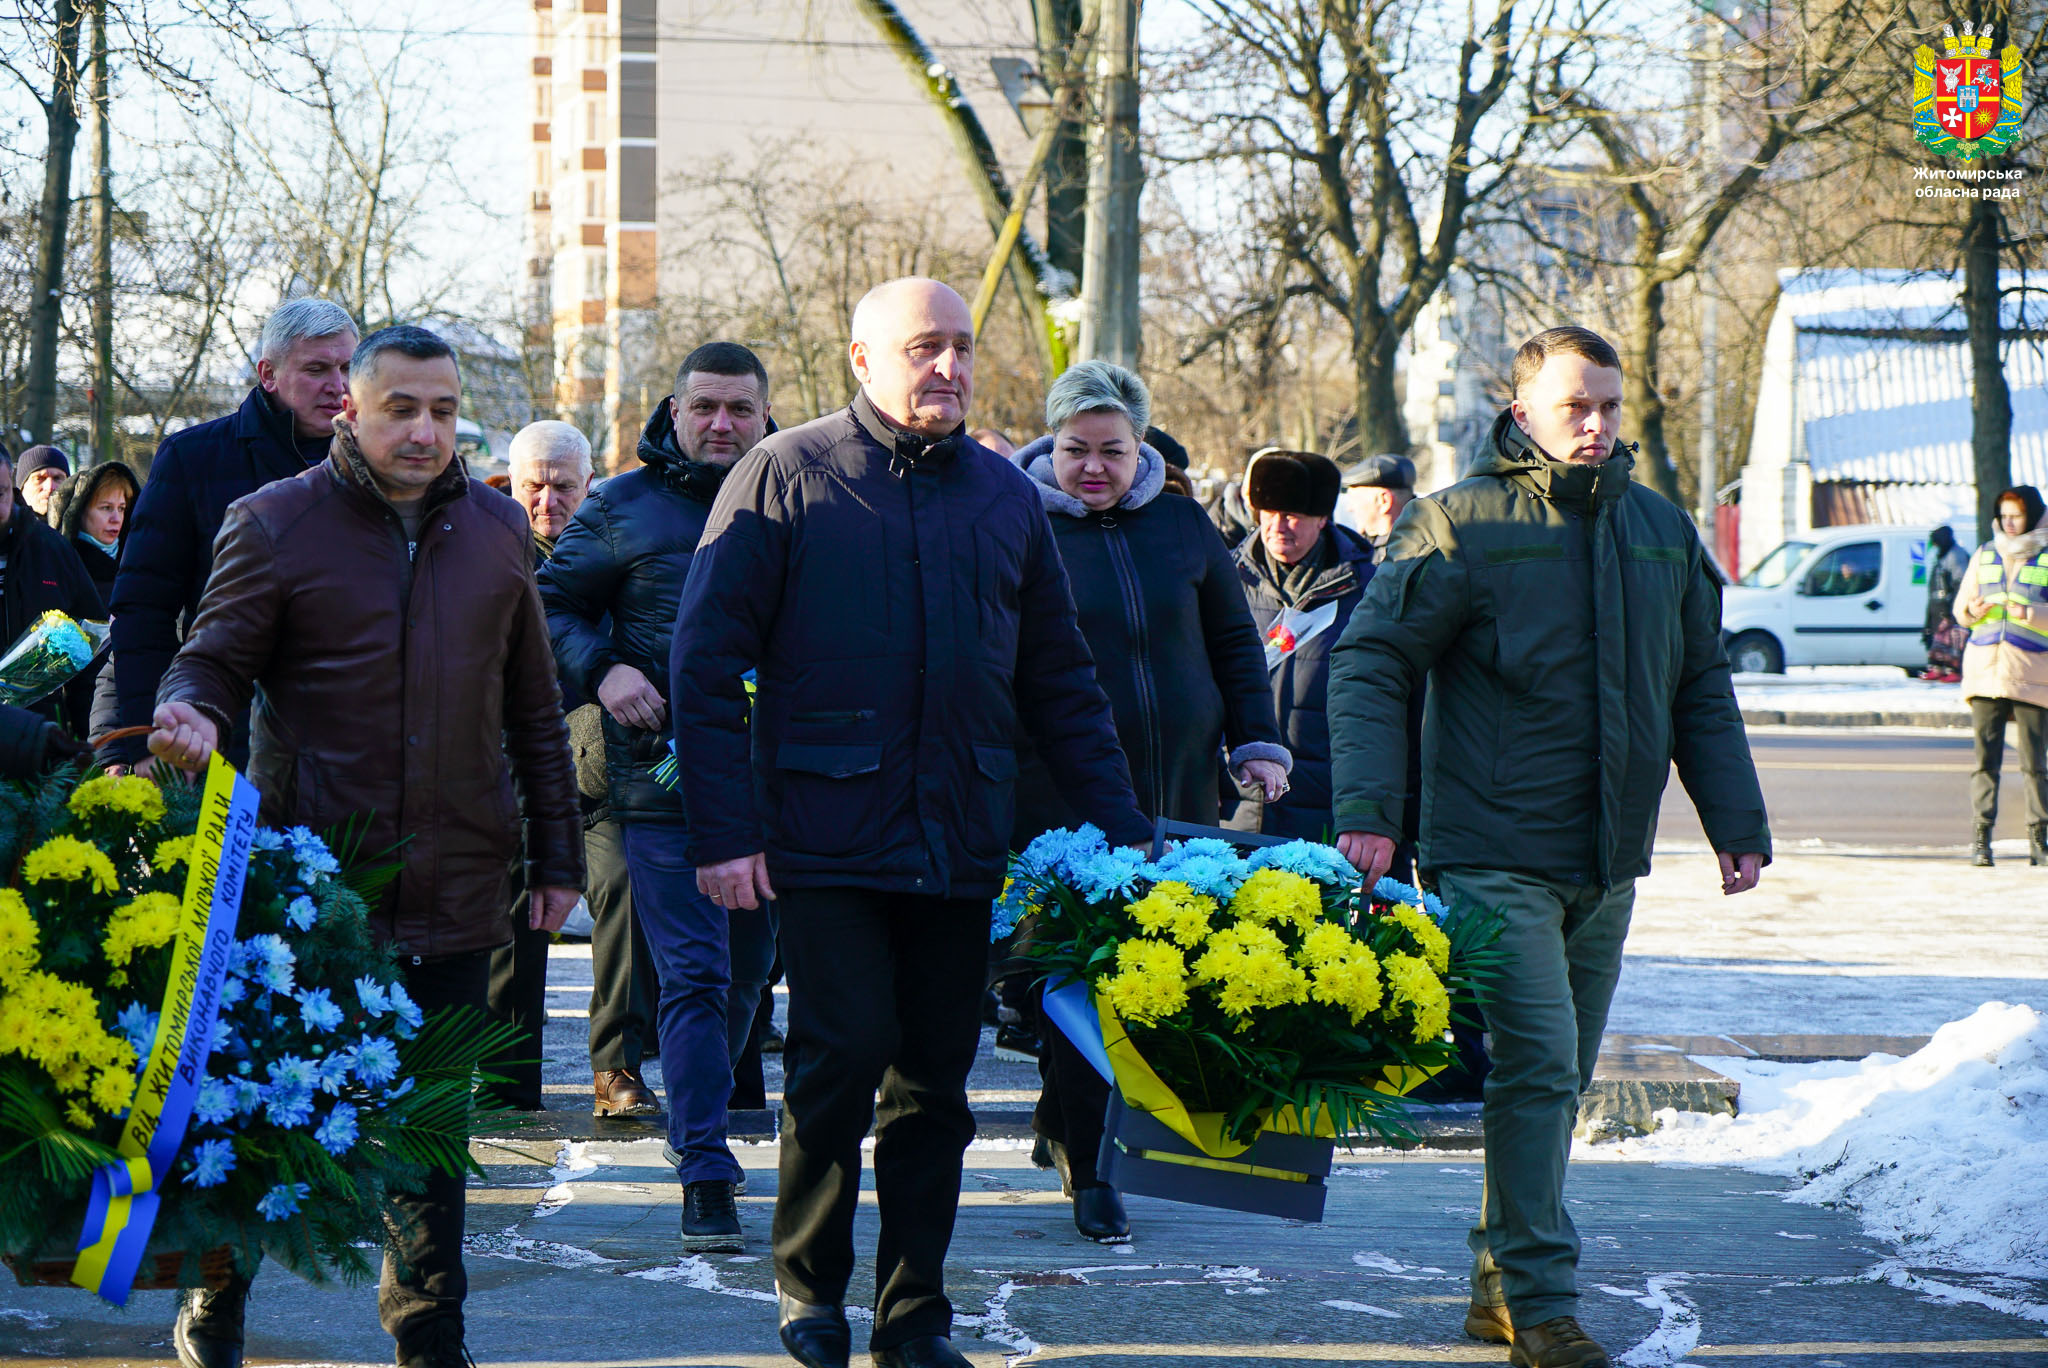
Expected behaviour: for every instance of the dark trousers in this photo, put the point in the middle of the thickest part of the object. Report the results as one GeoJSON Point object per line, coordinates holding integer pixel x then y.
{"type": "Point", "coordinates": [1988, 717]}
{"type": "Point", "coordinates": [423, 1278]}
{"type": "Point", "coordinates": [622, 1002]}
{"type": "Point", "coordinates": [1073, 1103]}
{"type": "Point", "coordinates": [884, 992]}
{"type": "Point", "coordinates": [518, 994]}
{"type": "Point", "coordinates": [711, 964]}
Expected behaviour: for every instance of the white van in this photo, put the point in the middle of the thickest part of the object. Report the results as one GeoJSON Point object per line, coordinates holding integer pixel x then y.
{"type": "Point", "coordinates": [1852, 595]}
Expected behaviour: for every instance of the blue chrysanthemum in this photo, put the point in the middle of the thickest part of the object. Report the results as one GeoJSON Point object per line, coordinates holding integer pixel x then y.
{"type": "Point", "coordinates": [332, 1072]}
{"type": "Point", "coordinates": [215, 1103]}
{"type": "Point", "coordinates": [212, 1162]}
{"type": "Point", "coordinates": [267, 839]}
{"type": "Point", "coordinates": [317, 1010]}
{"type": "Point", "coordinates": [232, 992]}
{"type": "Point", "coordinates": [313, 857]}
{"type": "Point", "coordinates": [287, 1108]}
{"type": "Point", "coordinates": [371, 994]}
{"type": "Point", "coordinates": [302, 914]}
{"type": "Point", "coordinates": [138, 1024]}
{"type": "Point", "coordinates": [338, 1132]}
{"type": "Point", "coordinates": [1097, 876]}
{"type": "Point", "coordinates": [409, 1015]}
{"type": "Point", "coordinates": [282, 1200]}
{"type": "Point", "coordinates": [290, 1071]}
{"type": "Point", "coordinates": [1055, 853]}
{"type": "Point", "coordinates": [1310, 859]}
{"type": "Point", "coordinates": [248, 1097]}
{"type": "Point", "coordinates": [1392, 890]}
{"type": "Point", "coordinates": [376, 1061]}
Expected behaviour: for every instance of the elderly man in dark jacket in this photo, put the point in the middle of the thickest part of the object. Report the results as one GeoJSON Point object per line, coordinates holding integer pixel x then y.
{"type": "Point", "coordinates": [898, 589]}
{"type": "Point", "coordinates": [1303, 573]}
{"type": "Point", "coordinates": [1570, 628]}
{"type": "Point", "coordinates": [611, 590]}
{"type": "Point", "coordinates": [282, 427]}
{"type": "Point", "coordinates": [382, 605]}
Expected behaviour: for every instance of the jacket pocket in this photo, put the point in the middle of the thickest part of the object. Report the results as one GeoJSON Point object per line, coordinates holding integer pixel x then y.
{"type": "Point", "coordinates": [830, 799]}
{"type": "Point", "coordinates": [992, 803]}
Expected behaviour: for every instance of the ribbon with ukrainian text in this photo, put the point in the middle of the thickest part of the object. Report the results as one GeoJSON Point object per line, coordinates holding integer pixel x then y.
{"type": "Point", "coordinates": [125, 1196]}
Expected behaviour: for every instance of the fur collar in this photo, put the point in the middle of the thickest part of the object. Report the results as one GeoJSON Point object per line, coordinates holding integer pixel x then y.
{"type": "Point", "coordinates": [1036, 460]}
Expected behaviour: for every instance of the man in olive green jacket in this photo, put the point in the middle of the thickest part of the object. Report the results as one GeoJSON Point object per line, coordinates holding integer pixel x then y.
{"type": "Point", "coordinates": [1570, 630]}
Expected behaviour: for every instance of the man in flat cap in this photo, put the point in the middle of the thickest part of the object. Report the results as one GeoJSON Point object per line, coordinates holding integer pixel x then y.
{"type": "Point", "coordinates": [1376, 489]}
{"type": "Point", "coordinates": [1303, 574]}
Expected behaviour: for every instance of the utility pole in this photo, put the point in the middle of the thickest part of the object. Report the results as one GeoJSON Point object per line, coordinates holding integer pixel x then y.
{"type": "Point", "coordinates": [1710, 307]}
{"type": "Point", "coordinates": [1109, 272]}
{"type": "Point", "coordinates": [102, 244]}
{"type": "Point", "coordinates": [53, 220]}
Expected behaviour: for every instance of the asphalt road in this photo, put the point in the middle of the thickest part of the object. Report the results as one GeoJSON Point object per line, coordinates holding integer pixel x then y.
{"type": "Point", "coordinates": [1863, 789]}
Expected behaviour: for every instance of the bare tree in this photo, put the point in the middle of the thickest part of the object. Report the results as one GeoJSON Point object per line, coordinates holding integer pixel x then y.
{"type": "Point", "coordinates": [1371, 136]}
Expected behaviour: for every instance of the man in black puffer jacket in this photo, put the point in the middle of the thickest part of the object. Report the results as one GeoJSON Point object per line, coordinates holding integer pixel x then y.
{"type": "Point", "coordinates": [611, 589]}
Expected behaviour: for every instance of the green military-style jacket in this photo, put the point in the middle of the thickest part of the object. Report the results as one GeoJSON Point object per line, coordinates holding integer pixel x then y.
{"type": "Point", "coordinates": [1570, 630]}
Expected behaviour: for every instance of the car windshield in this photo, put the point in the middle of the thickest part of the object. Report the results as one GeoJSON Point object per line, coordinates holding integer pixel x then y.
{"type": "Point", "coordinates": [1774, 569]}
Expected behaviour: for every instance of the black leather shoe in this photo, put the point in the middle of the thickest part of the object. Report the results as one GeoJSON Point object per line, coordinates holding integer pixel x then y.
{"type": "Point", "coordinates": [1099, 1214]}
{"type": "Point", "coordinates": [208, 1331]}
{"type": "Point", "coordinates": [438, 1345]}
{"type": "Point", "coordinates": [926, 1351]}
{"type": "Point", "coordinates": [815, 1336]}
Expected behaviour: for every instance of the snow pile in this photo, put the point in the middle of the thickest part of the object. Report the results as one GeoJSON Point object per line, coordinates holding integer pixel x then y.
{"type": "Point", "coordinates": [1944, 1154]}
{"type": "Point", "coordinates": [1848, 688]}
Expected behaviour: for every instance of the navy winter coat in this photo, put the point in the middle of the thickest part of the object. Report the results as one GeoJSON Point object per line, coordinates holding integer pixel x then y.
{"type": "Point", "coordinates": [1301, 682]}
{"type": "Point", "coordinates": [906, 609]}
{"type": "Point", "coordinates": [44, 573]}
{"type": "Point", "coordinates": [197, 473]}
{"type": "Point", "coordinates": [610, 590]}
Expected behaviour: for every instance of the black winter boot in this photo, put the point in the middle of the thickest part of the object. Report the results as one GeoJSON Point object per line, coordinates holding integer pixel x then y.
{"type": "Point", "coordinates": [208, 1331]}
{"type": "Point", "coordinates": [2037, 844]}
{"type": "Point", "coordinates": [1980, 846]}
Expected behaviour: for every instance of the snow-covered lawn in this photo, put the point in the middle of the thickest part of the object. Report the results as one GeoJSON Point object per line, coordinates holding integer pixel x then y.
{"type": "Point", "coordinates": [1943, 1154]}
{"type": "Point", "coordinates": [1831, 944]}
{"type": "Point", "coordinates": [1847, 689]}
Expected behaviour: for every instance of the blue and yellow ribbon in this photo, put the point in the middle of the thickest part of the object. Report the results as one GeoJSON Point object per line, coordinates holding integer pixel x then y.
{"type": "Point", "coordinates": [125, 1196]}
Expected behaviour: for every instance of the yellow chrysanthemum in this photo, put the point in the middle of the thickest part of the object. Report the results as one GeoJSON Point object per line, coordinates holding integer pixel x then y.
{"type": "Point", "coordinates": [56, 1024]}
{"type": "Point", "coordinates": [1175, 911]}
{"type": "Point", "coordinates": [1326, 943]}
{"type": "Point", "coordinates": [113, 1089]}
{"type": "Point", "coordinates": [144, 924]}
{"type": "Point", "coordinates": [1151, 981]}
{"type": "Point", "coordinates": [1428, 936]}
{"type": "Point", "coordinates": [1274, 895]}
{"type": "Point", "coordinates": [1350, 981]}
{"type": "Point", "coordinates": [1414, 988]}
{"type": "Point", "coordinates": [1248, 966]}
{"type": "Point", "coordinates": [176, 851]}
{"type": "Point", "coordinates": [20, 941]}
{"type": "Point", "coordinates": [69, 860]}
{"type": "Point", "coordinates": [77, 1115]}
{"type": "Point", "coordinates": [125, 793]}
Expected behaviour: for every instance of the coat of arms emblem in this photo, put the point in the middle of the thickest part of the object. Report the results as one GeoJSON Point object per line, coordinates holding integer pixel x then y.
{"type": "Point", "coordinates": [1966, 103]}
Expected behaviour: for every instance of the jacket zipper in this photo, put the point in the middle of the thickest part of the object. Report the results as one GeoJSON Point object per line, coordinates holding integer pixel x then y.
{"type": "Point", "coordinates": [1134, 618]}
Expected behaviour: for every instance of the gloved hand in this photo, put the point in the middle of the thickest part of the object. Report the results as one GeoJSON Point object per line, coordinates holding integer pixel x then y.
{"type": "Point", "coordinates": [60, 747]}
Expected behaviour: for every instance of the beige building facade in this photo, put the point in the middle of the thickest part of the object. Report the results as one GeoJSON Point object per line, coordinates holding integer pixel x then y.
{"type": "Point", "coordinates": [631, 97]}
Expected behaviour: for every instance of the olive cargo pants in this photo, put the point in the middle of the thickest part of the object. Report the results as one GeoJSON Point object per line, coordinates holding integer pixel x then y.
{"type": "Point", "coordinates": [1544, 1015]}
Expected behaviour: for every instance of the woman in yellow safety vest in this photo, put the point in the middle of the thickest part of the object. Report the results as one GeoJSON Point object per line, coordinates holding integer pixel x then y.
{"type": "Point", "coordinates": [2004, 603]}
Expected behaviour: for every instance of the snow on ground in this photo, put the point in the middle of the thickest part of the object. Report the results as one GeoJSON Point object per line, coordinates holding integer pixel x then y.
{"type": "Point", "coordinates": [1943, 1154]}
{"type": "Point", "coordinates": [1830, 944]}
{"type": "Point", "coordinates": [1846, 688]}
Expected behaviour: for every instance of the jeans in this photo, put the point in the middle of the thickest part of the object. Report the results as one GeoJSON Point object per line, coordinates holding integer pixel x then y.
{"type": "Point", "coordinates": [884, 992]}
{"type": "Point", "coordinates": [1988, 717]}
{"type": "Point", "coordinates": [423, 1278]}
{"type": "Point", "coordinates": [1545, 1014]}
{"type": "Point", "coordinates": [711, 965]}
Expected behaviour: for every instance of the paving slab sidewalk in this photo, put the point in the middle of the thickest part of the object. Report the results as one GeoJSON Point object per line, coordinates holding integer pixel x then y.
{"type": "Point", "coordinates": [573, 1262]}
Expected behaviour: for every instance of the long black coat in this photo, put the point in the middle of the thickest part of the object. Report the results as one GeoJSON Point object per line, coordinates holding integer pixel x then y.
{"type": "Point", "coordinates": [610, 590]}
{"type": "Point", "coordinates": [196, 474]}
{"type": "Point", "coordinates": [1164, 613]}
{"type": "Point", "coordinates": [43, 573]}
{"type": "Point", "coordinates": [1301, 682]}
{"type": "Point", "coordinates": [907, 611]}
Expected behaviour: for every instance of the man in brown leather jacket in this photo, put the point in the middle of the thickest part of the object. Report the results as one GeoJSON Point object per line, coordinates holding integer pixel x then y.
{"type": "Point", "coordinates": [385, 602]}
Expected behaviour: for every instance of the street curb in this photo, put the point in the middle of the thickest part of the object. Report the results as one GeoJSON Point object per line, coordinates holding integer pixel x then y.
{"type": "Point", "coordinates": [1768, 717]}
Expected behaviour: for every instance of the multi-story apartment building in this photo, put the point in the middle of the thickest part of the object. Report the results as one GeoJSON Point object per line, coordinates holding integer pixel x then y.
{"type": "Point", "coordinates": [630, 96]}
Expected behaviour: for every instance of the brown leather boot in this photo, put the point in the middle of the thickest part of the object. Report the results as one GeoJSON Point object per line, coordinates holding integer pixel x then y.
{"type": "Point", "coordinates": [1557, 1343]}
{"type": "Point", "coordinates": [622, 1092]}
{"type": "Point", "coordinates": [1489, 1323]}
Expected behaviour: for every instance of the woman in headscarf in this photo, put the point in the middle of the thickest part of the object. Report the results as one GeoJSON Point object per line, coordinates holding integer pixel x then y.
{"type": "Point", "coordinates": [1176, 652]}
